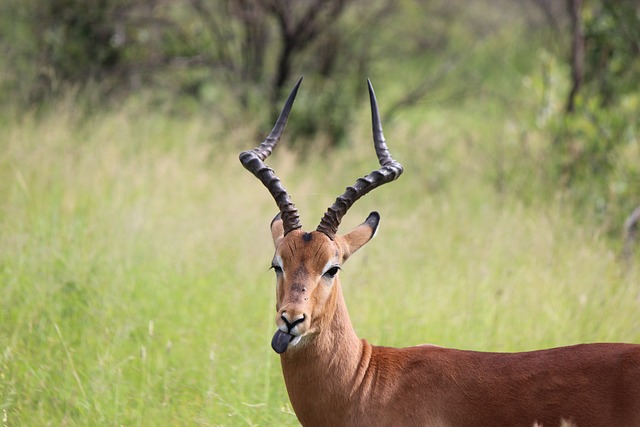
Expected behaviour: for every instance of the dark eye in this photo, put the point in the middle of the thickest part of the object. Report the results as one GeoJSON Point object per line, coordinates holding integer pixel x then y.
{"type": "Point", "coordinates": [277, 269]}
{"type": "Point", "coordinates": [330, 273]}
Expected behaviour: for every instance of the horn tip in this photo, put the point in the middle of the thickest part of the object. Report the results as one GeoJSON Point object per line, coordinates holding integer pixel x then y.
{"type": "Point", "coordinates": [297, 85]}
{"type": "Point", "coordinates": [370, 85]}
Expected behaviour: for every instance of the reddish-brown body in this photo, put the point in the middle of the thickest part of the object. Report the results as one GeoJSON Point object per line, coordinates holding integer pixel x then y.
{"type": "Point", "coordinates": [335, 379]}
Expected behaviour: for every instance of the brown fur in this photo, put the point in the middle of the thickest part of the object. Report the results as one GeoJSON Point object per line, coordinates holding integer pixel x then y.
{"type": "Point", "coordinates": [335, 379]}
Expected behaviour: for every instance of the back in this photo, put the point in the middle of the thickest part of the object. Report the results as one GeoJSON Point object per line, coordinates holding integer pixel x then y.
{"type": "Point", "coordinates": [586, 385]}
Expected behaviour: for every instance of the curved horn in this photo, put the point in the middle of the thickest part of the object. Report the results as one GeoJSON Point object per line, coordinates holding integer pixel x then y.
{"type": "Point", "coordinates": [389, 170]}
{"type": "Point", "coordinates": [253, 161]}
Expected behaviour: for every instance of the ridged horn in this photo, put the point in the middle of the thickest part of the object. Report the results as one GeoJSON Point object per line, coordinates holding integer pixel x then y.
{"type": "Point", "coordinates": [253, 161]}
{"type": "Point", "coordinates": [389, 171]}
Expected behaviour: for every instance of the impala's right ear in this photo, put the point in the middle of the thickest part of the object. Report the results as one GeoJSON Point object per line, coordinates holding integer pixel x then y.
{"type": "Point", "coordinates": [277, 230]}
{"type": "Point", "coordinates": [357, 238]}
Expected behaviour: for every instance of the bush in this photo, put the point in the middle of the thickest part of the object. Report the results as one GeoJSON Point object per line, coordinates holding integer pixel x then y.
{"type": "Point", "coordinates": [594, 157]}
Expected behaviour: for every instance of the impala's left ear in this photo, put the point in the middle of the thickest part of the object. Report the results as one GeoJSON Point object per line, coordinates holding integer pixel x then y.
{"type": "Point", "coordinates": [357, 238]}
{"type": "Point", "coordinates": [277, 230]}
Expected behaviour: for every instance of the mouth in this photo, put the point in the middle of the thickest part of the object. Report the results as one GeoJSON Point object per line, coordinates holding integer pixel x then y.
{"type": "Point", "coordinates": [281, 341]}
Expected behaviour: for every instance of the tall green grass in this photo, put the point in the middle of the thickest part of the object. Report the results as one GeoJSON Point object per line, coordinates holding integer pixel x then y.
{"type": "Point", "coordinates": [134, 255]}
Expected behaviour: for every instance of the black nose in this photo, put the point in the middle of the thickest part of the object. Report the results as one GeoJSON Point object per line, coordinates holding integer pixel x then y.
{"type": "Point", "coordinates": [291, 325]}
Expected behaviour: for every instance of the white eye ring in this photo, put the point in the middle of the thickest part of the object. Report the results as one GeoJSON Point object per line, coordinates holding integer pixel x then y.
{"type": "Point", "coordinates": [331, 271]}
{"type": "Point", "coordinates": [276, 264]}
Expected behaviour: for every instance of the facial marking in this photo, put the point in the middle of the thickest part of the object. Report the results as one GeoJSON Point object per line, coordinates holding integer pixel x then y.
{"type": "Point", "coordinates": [307, 237]}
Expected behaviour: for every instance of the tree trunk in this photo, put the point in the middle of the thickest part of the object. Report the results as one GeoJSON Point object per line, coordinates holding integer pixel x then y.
{"type": "Point", "coordinates": [577, 51]}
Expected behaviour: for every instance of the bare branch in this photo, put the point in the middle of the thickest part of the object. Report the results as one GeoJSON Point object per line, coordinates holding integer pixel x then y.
{"type": "Point", "coordinates": [577, 52]}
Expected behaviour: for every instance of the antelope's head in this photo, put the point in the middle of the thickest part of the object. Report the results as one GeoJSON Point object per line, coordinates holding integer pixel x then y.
{"type": "Point", "coordinates": [307, 264]}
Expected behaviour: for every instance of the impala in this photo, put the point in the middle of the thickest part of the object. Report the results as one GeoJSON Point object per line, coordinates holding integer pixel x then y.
{"type": "Point", "coordinates": [333, 378]}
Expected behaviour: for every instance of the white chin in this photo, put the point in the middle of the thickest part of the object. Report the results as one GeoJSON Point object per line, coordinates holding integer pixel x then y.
{"type": "Point", "coordinates": [295, 341]}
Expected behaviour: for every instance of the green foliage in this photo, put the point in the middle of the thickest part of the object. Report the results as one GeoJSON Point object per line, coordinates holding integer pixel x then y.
{"type": "Point", "coordinates": [78, 38]}
{"type": "Point", "coordinates": [134, 254]}
{"type": "Point", "coordinates": [230, 57]}
{"type": "Point", "coordinates": [134, 248]}
{"type": "Point", "coordinates": [62, 43]}
{"type": "Point", "coordinates": [612, 57]}
{"type": "Point", "coordinates": [594, 154]}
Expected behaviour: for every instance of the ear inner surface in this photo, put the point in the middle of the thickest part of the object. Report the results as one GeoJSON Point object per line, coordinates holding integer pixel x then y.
{"type": "Point", "coordinates": [277, 229]}
{"type": "Point", "coordinates": [357, 238]}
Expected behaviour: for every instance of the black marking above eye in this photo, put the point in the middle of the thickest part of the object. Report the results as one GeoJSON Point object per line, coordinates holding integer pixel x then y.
{"type": "Point", "coordinates": [330, 273]}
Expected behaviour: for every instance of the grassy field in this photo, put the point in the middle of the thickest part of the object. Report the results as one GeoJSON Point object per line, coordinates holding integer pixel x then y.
{"type": "Point", "coordinates": [134, 255]}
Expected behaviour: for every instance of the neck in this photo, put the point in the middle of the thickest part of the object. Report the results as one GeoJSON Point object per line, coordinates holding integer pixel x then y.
{"type": "Point", "coordinates": [323, 373]}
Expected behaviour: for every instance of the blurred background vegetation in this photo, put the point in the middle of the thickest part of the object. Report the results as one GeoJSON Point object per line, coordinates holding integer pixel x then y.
{"type": "Point", "coordinates": [131, 238]}
{"type": "Point", "coordinates": [566, 73]}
